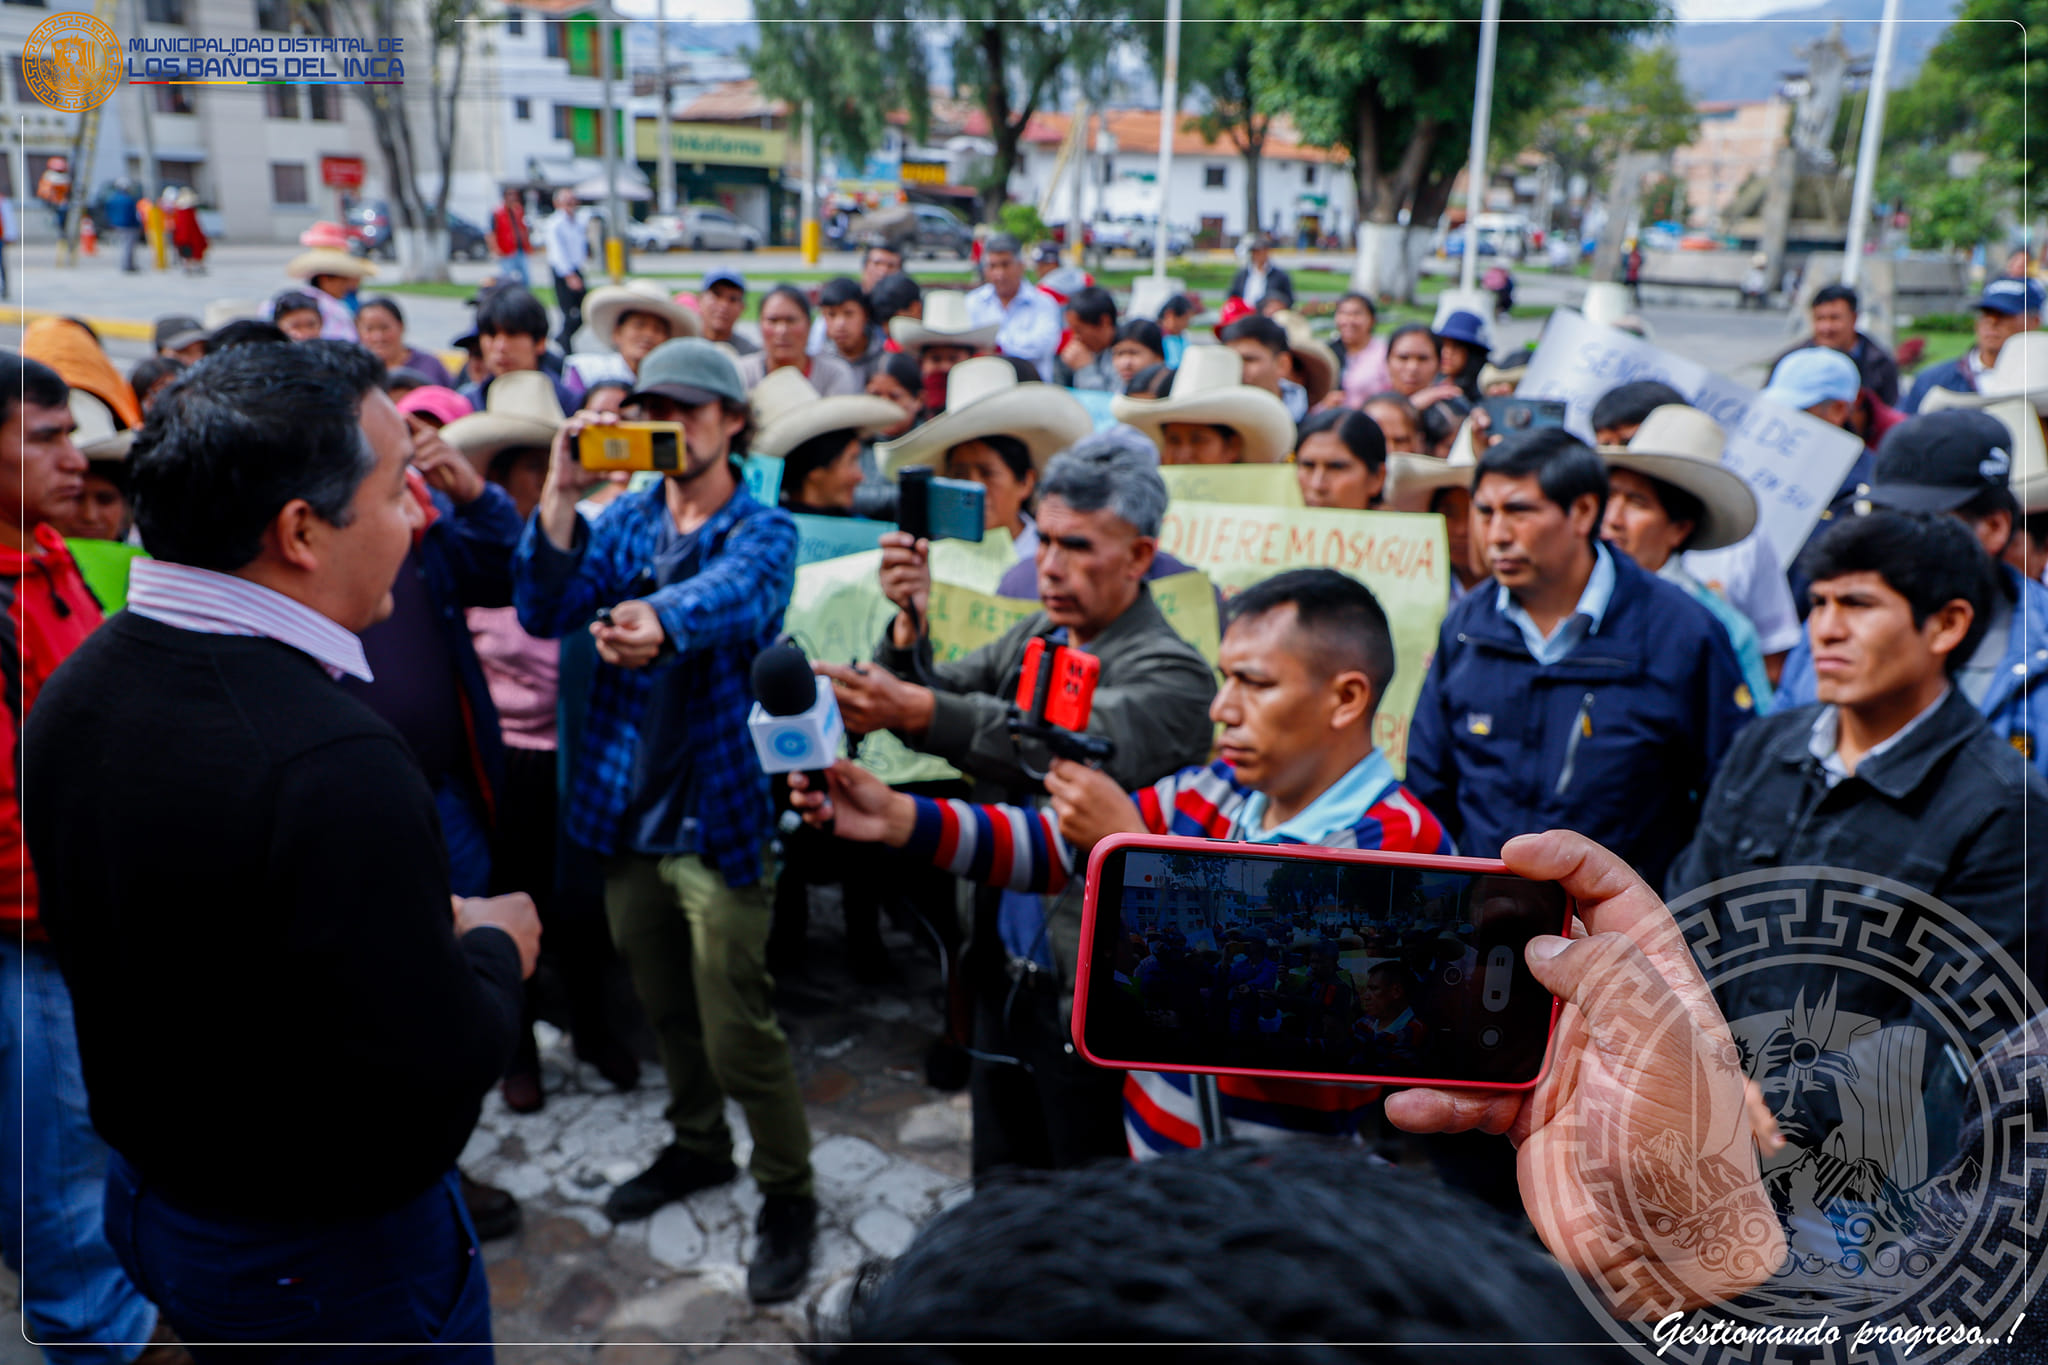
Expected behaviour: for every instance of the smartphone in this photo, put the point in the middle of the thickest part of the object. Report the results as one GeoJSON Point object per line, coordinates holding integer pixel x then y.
{"type": "Point", "coordinates": [1314, 964]}
{"type": "Point", "coordinates": [1509, 414]}
{"type": "Point", "coordinates": [1064, 677]}
{"type": "Point", "coordinates": [632, 446]}
{"type": "Point", "coordinates": [940, 509]}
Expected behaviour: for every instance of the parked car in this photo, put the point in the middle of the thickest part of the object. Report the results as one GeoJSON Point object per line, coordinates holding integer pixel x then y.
{"type": "Point", "coordinates": [369, 232]}
{"type": "Point", "coordinates": [659, 232]}
{"type": "Point", "coordinates": [921, 229]}
{"type": "Point", "coordinates": [1137, 234]}
{"type": "Point", "coordinates": [705, 228]}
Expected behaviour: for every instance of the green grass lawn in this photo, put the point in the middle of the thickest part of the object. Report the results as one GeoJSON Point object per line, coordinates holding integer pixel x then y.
{"type": "Point", "coordinates": [1940, 345]}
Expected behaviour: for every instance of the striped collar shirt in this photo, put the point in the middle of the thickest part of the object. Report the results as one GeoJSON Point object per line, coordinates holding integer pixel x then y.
{"type": "Point", "coordinates": [222, 604]}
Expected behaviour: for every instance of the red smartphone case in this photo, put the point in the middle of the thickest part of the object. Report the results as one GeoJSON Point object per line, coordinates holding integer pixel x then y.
{"type": "Point", "coordinates": [1173, 843]}
{"type": "Point", "coordinates": [1070, 697]}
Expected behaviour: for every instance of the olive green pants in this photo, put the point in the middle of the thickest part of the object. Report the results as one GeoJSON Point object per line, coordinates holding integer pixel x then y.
{"type": "Point", "coordinates": [697, 951]}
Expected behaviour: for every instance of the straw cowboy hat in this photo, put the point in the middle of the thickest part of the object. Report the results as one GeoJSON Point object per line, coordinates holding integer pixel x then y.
{"type": "Point", "coordinates": [1412, 480]}
{"type": "Point", "coordinates": [1315, 364]}
{"type": "Point", "coordinates": [944, 324]}
{"type": "Point", "coordinates": [326, 260]}
{"type": "Point", "coordinates": [607, 303]}
{"type": "Point", "coordinates": [221, 312]}
{"type": "Point", "coordinates": [2029, 451]}
{"type": "Point", "coordinates": [1682, 446]}
{"type": "Point", "coordinates": [2021, 371]}
{"type": "Point", "coordinates": [985, 398]}
{"type": "Point", "coordinates": [1209, 390]}
{"type": "Point", "coordinates": [520, 409]}
{"type": "Point", "coordinates": [788, 412]}
{"type": "Point", "coordinates": [98, 435]}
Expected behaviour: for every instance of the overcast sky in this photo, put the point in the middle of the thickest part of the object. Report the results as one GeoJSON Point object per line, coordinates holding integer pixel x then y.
{"type": "Point", "coordinates": [731, 11]}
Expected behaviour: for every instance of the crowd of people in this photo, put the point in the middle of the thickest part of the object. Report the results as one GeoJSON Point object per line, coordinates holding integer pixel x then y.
{"type": "Point", "coordinates": [412, 652]}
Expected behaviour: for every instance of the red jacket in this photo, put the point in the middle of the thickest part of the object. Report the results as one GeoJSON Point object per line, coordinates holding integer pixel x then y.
{"type": "Point", "coordinates": [508, 232]}
{"type": "Point", "coordinates": [48, 613]}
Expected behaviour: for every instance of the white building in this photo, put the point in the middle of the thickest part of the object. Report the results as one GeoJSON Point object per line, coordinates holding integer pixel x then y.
{"type": "Point", "coordinates": [1300, 187]}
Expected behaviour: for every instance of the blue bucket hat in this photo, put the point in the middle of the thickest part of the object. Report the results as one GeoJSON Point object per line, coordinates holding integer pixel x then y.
{"type": "Point", "coordinates": [1464, 327]}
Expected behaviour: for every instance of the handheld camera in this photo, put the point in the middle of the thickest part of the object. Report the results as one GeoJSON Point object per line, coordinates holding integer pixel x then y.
{"type": "Point", "coordinates": [630, 447]}
{"type": "Point", "coordinates": [1055, 693]}
{"type": "Point", "coordinates": [926, 506]}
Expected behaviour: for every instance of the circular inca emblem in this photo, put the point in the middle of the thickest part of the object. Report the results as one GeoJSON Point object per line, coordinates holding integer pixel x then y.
{"type": "Point", "coordinates": [72, 62]}
{"type": "Point", "coordinates": [1897, 1046]}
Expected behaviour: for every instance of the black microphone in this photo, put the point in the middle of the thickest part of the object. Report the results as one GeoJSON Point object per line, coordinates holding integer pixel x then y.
{"type": "Point", "coordinates": [795, 722]}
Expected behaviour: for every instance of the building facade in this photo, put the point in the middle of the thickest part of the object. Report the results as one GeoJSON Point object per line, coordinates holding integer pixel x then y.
{"type": "Point", "coordinates": [1735, 141]}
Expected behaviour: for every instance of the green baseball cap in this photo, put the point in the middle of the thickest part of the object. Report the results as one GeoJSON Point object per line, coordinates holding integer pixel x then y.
{"type": "Point", "coordinates": [690, 371]}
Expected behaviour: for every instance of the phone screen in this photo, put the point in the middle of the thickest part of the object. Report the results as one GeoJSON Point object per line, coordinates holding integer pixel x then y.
{"type": "Point", "coordinates": [955, 510]}
{"type": "Point", "coordinates": [1509, 414]}
{"type": "Point", "coordinates": [1326, 965]}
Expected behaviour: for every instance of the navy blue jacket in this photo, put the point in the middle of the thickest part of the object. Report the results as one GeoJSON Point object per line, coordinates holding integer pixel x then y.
{"type": "Point", "coordinates": [1948, 375]}
{"type": "Point", "coordinates": [1618, 740]}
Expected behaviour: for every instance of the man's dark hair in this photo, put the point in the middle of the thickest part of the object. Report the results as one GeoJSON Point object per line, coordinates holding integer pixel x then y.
{"type": "Point", "coordinates": [1092, 305]}
{"type": "Point", "coordinates": [1627, 405]}
{"type": "Point", "coordinates": [1835, 293]}
{"type": "Point", "coordinates": [153, 370]}
{"type": "Point", "coordinates": [1277, 1249]}
{"type": "Point", "coordinates": [293, 301]}
{"type": "Point", "coordinates": [843, 290]}
{"type": "Point", "coordinates": [1027, 371]}
{"type": "Point", "coordinates": [403, 380]}
{"type": "Point", "coordinates": [1360, 434]}
{"type": "Point", "coordinates": [1265, 331]}
{"type": "Point", "coordinates": [22, 378]}
{"type": "Point", "coordinates": [251, 429]}
{"type": "Point", "coordinates": [246, 332]}
{"type": "Point", "coordinates": [892, 294]}
{"type": "Point", "coordinates": [1339, 614]}
{"type": "Point", "coordinates": [878, 244]}
{"type": "Point", "coordinates": [790, 292]}
{"type": "Point", "coordinates": [1989, 502]}
{"type": "Point", "coordinates": [1180, 305]}
{"type": "Point", "coordinates": [1440, 421]}
{"type": "Point", "coordinates": [1000, 242]}
{"type": "Point", "coordinates": [1928, 558]}
{"type": "Point", "coordinates": [1399, 400]}
{"type": "Point", "coordinates": [511, 311]}
{"type": "Point", "coordinates": [1565, 467]}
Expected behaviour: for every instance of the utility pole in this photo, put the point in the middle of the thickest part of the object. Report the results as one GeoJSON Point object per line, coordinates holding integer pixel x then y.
{"type": "Point", "coordinates": [1169, 126]}
{"type": "Point", "coordinates": [614, 240]}
{"type": "Point", "coordinates": [1475, 161]}
{"type": "Point", "coordinates": [809, 232]}
{"type": "Point", "coordinates": [665, 187]}
{"type": "Point", "coordinates": [1867, 150]}
{"type": "Point", "coordinates": [1077, 230]}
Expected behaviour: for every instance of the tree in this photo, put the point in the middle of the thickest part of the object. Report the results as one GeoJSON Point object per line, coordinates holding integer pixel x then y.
{"type": "Point", "coordinates": [857, 61]}
{"type": "Point", "coordinates": [1217, 67]}
{"type": "Point", "coordinates": [419, 228]}
{"type": "Point", "coordinates": [1645, 107]}
{"type": "Point", "coordinates": [1391, 82]}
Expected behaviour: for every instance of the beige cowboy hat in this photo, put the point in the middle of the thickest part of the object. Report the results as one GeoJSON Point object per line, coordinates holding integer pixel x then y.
{"type": "Point", "coordinates": [1682, 446]}
{"type": "Point", "coordinates": [1209, 390]}
{"type": "Point", "coordinates": [2021, 371]}
{"type": "Point", "coordinates": [2029, 451]}
{"type": "Point", "coordinates": [1315, 364]}
{"type": "Point", "coordinates": [788, 412]}
{"type": "Point", "coordinates": [520, 409]}
{"type": "Point", "coordinates": [325, 260]}
{"type": "Point", "coordinates": [1412, 480]}
{"type": "Point", "coordinates": [944, 324]}
{"type": "Point", "coordinates": [606, 304]}
{"type": "Point", "coordinates": [98, 435]}
{"type": "Point", "coordinates": [221, 312]}
{"type": "Point", "coordinates": [985, 398]}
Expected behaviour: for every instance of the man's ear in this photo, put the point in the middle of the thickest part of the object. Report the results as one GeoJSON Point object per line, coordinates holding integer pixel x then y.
{"type": "Point", "coordinates": [1143, 549]}
{"type": "Point", "coordinates": [1948, 626]}
{"type": "Point", "coordinates": [1353, 694]}
{"type": "Point", "coordinates": [294, 537]}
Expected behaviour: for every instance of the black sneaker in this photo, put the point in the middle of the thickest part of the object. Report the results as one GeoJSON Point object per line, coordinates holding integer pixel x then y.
{"type": "Point", "coordinates": [675, 1174]}
{"type": "Point", "coordinates": [787, 1224]}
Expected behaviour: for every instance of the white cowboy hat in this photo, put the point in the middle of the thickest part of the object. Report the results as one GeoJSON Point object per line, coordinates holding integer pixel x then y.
{"type": "Point", "coordinates": [1209, 390]}
{"type": "Point", "coordinates": [1682, 446]}
{"type": "Point", "coordinates": [985, 398]}
{"type": "Point", "coordinates": [2029, 453]}
{"type": "Point", "coordinates": [1412, 480]}
{"type": "Point", "coordinates": [520, 409]}
{"type": "Point", "coordinates": [607, 303]}
{"type": "Point", "coordinates": [944, 324]}
{"type": "Point", "coordinates": [98, 435]}
{"type": "Point", "coordinates": [325, 260]}
{"type": "Point", "coordinates": [2021, 371]}
{"type": "Point", "coordinates": [788, 412]}
{"type": "Point", "coordinates": [221, 312]}
{"type": "Point", "coordinates": [1315, 364]}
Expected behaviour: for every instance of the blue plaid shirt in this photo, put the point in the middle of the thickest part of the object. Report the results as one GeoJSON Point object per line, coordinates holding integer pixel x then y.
{"type": "Point", "coordinates": [717, 621]}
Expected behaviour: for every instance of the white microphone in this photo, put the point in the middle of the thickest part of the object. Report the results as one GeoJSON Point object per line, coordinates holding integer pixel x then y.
{"type": "Point", "coordinates": [795, 722]}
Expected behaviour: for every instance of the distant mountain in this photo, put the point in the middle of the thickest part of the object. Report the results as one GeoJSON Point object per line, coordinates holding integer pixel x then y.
{"type": "Point", "coordinates": [1746, 59]}
{"type": "Point", "coordinates": [640, 39]}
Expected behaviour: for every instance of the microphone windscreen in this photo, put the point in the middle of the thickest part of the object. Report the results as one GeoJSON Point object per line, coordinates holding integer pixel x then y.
{"type": "Point", "coordinates": [783, 681]}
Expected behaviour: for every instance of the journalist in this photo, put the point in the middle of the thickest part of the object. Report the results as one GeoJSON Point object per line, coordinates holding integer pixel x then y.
{"type": "Point", "coordinates": [287, 1022]}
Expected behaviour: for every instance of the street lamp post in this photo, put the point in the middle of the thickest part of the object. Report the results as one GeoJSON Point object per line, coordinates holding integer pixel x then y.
{"type": "Point", "coordinates": [1169, 125]}
{"type": "Point", "coordinates": [1867, 149]}
{"type": "Point", "coordinates": [666, 161]}
{"type": "Point", "coordinates": [1475, 162]}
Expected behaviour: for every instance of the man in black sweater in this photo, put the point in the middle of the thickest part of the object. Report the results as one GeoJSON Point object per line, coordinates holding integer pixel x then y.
{"type": "Point", "coordinates": [286, 1035]}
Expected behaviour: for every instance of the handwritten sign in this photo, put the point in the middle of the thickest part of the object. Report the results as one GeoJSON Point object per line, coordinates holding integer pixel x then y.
{"type": "Point", "coordinates": [831, 537]}
{"type": "Point", "coordinates": [1402, 557]}
{"type": "Point", "coordinates": [1257, 485]}
{"type": "Point", "coordinates": [1791, 460]}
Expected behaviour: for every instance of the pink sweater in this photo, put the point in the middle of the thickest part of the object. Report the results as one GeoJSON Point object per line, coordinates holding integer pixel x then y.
{"type": "Point", "coordinates": [522, 674]}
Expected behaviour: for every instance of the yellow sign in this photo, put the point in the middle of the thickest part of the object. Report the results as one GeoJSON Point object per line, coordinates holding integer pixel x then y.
{"type": "Point", "coordinates": [1402, 557]}
{"type": "Point", "coordinates": [712, 143]}
{"type": "Point", "coordinates": [925, 172]}
{"type": "Point", "coordinates": [1254, 485]}
{"type": "Point", "coordinates": [72, 62]}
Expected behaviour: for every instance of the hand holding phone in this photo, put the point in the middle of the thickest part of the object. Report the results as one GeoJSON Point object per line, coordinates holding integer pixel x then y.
{"type": "Point", "coordinates": [1089, 804]}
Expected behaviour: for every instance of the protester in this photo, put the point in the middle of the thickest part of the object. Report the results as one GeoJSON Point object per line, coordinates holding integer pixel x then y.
{"type": "Point", "coordinates": [1958, 462]}
{"type": "Point", "coordinates": [356, 1035]}
{"type": "Point", "coordinates": [895, 296]}
{"type": "Point", "coordinates": [1138, 346]}
{"type": "Point", "coordinates": [1821, 382]}
{"type": "Point", "coordinates": [900, 380]}
{"type": "Point", "coordinates": [634, 318]}
{"type": "Point", "coordinates": [942, 337]}
{"type": "Point", "coordinates": [187, 235]}
{"type": "Point", "coordinates": [1341, 459]}
{"type": "Point", "coordinates": [1833, 311]}
{"type": "Point", "coordinates": [1668, 493]}
{"type": "Point", "coordinates": [1027, 320]}
{"type": "Point", "coordinates": [1259, 278]}
{"type": "Point", "coordinates": [180, 337]}
{"type": "Point", "coordinates": [296, 315]}
{"type": "Point", "coordinates": [1305, 661]}
{"type": "Point", "coordinates": [1174, 316]}
{"type": "Point", "coordinates": [1361, 357]}
{"type": "Point", "coordinates": [509, 240]}
{"type": "Point", "coordinates": [73, 350]}
{"type": "Point", "coordinates": [817, 439]}
{"type": "Point", "coordinates": [851, 334]}
{"type": "Point", "coordinates": [1397, 420]}
{"type": "Point", "coordinates": [1099, 509]}
{"type": "Point", "coordinates": [512, 338]}
{"type": "Point", "coordinates": [1442, 421]}
{"type": "Point", "coordinates": [785, 313]}
{"type": "Point", "coordinates": [104, 509]}
{"type": "Point", "coordinates": [1502, 375]}
{"type": "Point", "coordinates": [1582, 692]}
{"type": "Point", "coordinates": [1885, 766]}
{"type": "Point", "coordinates": [1085, 361]}
{"type": "Point", "coordinates": [331, 277]}
{"type": "Point", "coordinates": [122, 217]}
{"type": "Point", "coordinates": [1461, 352]}
{"type": "Point", "coordinates": [998, 433]}
{"type": "Point", "coordinates": [721, 301]}
{"type": "Point", "coordinates": [567, 246]}
{"type": "Point", "coordinates": [1262, 344]}
{"type": "Point", "coordinates": [2005, 308]}
{"type": "Point", "coordinates": [667, 787]}
{"type": "Point", "coordinates": [879, 260]}
{"type": "Point", "coordinates": [381, 327]}
{"type": "Point", "coordinates": [1212, 415]}
{"type": "Point", "coordinates": [1412, 363]}
{"type": "Point", "coordinates": [151, 375]}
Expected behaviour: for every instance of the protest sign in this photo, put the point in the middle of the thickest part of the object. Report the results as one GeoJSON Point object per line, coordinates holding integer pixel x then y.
{"type": "Point", "coordinates": [1259, 485]}
{"type": "Point", "coordinates": [104, 565]}
{"type": "Point", "coordinates": [763, 476]}
{"type": "Point", "coordinates": [1401, 556]}
{"type": "Point", "coordinates": [831, 537]}
{"type": "Point", "coordinates": [1792, 461]}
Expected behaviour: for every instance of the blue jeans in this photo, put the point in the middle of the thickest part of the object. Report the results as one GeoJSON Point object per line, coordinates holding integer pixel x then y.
{"type": "Point", "coordinates": [467, 834]}
{"type": "Point", "coordinates": [515, 267]}
{"type": "Point", "coordinates": [413, 1275]}
{"type": "Point", "coordinates": [73, 1291]}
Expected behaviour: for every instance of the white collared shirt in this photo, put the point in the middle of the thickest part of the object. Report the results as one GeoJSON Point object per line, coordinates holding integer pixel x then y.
{"type": "Point", "coordinates": [213, 603]}
{"type": "Point", "coordinates": [1029, 324]}
{"type": "Point", "coordinates": [1585, 619]}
